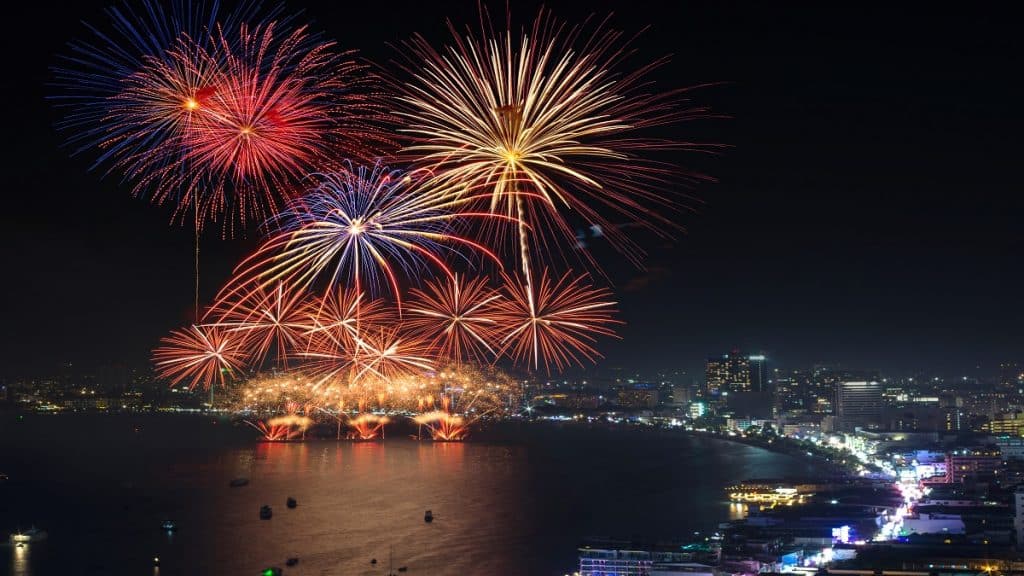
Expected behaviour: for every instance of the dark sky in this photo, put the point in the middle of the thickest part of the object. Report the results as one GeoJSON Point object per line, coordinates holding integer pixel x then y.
{"type": "Point", "coordinates": [869, 212]}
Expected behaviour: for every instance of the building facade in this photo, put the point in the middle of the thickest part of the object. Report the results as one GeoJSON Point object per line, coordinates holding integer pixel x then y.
{"type": "Point", "coordinates": [737, 372]}
{"type": "Point", "coordinates": [858, 405]}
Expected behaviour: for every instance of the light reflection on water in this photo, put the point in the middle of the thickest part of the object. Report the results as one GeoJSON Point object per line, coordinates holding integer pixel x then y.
{"type": "Point", "coordinates": [20, 562]}
{"type": "Point", "coordinates": [519, 506]}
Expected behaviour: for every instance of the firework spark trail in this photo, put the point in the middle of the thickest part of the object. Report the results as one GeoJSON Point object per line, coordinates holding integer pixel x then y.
{"type": "Point", "coordinates": [266, 319]}
{"type": "Point", "coordinates": [389, 354]}
{"type": "Point", "coordinates": [455, 316]}
{"type": "Point", "coordinates": [546, 110]}
{"type": "Point", "coordinates": [94, 79]}
{"type": "Point", "coordinates": [342, 313]}
{"type": "Point", "coordinates": [556, 323]}
{"type": "Point", "coordinates": [285, 105]}
{"type": "Point", "coordinates": [444, 426]}
{"type": "Point", "coordinates": [363, 228]}
{"type": "Point", "coordinates": [203, 355]}
{"type": "Point", "coordinates": [367, 426]}
{"type": "Point", "coordinates": [214, 112]}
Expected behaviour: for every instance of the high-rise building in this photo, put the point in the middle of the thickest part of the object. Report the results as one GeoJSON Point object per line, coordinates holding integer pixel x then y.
{"type": "Point", "coordinates": [736, 372]}
{"type": "Point", "coordinates": [858, 404]}
{"type": "Point", "coordinates": [760, 381]}
{"type": "Point", "coordinates": [1018, 519]}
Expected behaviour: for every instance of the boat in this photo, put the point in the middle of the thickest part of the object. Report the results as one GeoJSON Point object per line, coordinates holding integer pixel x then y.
{"type": "Point", "coordinates": [4, 477]}
{"type": "Point", "coordinates": [428, 516]}
{"type": "Point", "coordinates": [33, 534]}
{"type": "Point", "coordinates": [272, 571]}
{"type": "Point", "coordinates": [292, 503]}
{"type": "Point", "coordinates": [266, 512]}
{"type": "Point", "coordinates": [403, 568]}
{"type": "Point", "coordinates": [291, 561]}
{"type": "Point", "coordinates": [169, 526]}
{"type": "Point", "coordinates": [237, 482]}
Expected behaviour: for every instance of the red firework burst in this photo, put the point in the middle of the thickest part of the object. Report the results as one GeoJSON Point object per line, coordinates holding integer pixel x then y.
{"type": "Point", "coordinates": [556, 323]}
{"type": "Point", "coordinates": [456, 317]}
{"type": "Point", "coordinates": [202, 355]}
{"type": "Point", "coordinates": [277, 106]}
{"type": "Point", "coordinates": [388, 354]}
{"type": "Point", "coordinates": [266, 319]}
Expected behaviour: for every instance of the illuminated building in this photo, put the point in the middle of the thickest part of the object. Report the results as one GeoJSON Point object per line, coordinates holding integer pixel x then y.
{"type": "Point", "coordinates": [858, 404]}
{"type": "Point", "coordinates": [953, 419]}
{"type": "Point", "coordinates": [638, 396]}
{"type": "Point", "coordinates": [1011, 424]}
{"type": "Point", "coordinates": [972, 462]}
{"type": "Point", "coordinates": [698, 409]}
{"type": "Point", "coordinates": [1018, 519]}
{"type": "Point", "coordinates": [736, 372]}
{"type": "Point", "coordinates": [643, 561]}
{"type": "Point", "coordinates": [759, 380]}
{"type": "Point", "coordinates": [1011, 447]}
{"type": "Point", "coordinates": [933, 523]}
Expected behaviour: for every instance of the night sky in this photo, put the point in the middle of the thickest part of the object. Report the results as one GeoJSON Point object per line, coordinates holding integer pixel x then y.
{"type": "Point", "coordinates": [868, 212]}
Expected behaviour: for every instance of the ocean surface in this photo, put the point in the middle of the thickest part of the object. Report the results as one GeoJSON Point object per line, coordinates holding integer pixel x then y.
{"type": "Point", "coordinates": [514, 499]}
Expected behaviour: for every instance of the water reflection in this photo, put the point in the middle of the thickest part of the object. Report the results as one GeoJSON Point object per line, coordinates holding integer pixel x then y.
{"type": "Point", "coordinates": [19, 560]}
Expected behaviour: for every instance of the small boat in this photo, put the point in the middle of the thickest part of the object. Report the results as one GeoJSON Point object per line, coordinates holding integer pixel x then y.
{"type": "Point", "coordinates": [169, 526]}
{"type": "Point", "coordinates": [291, 561]}
{"type": "Point", "coordinates": [156, 561]}
{"type": "Point", "coordinates": [4, 477]}
{"type": "Point", "coordinates": [265, 512]}
{"type": "Point", "coordinates": [237, 482]}
{"type": "Point", "coordinates": [292, 503]}
{"type": "Point", "coordinates": [403, 568]}
{"type": "Point", "coordinates": [31, 535]}
{"type": "Point", "coordinates": [373, 560]}
{"type": "Point", "coordinates": [428, 516]}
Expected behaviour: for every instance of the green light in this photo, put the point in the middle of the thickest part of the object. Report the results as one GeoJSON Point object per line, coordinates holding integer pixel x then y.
{"type": "Point", "coordinates": [268, 572]}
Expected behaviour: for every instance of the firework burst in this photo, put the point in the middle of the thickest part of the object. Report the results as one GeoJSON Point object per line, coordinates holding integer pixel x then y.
{"type": "Point", "coordinates": [555, 324]}
{"type": "Point", "coordinates": [274, 319]}
{"type": "Point", "coordinates": [542, 124]}
{"type": "Point", "coordinates": [389, 355]}
{"type": "Point", "coordinates": [124, 91]}
{"type": "Point", "coordinates": [455, 315]}
{"type": "Point", "coordinates": [285, 105]}
{"type": "Point", "coordinates": [201, 355]}
{"type": "Point", "coordinates": [342, 314]}
{"type": "Point", "coordinates": [217, 114]}
{"type": "Point", "coordinates": [444, 427]}
{"type": "Point", "coordinates": [362, 228]}
{"type": "Point", "coordinates": [367, 427]}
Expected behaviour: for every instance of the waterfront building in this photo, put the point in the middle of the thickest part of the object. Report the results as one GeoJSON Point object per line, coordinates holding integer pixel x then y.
{"type": "Point", "coordinates": [629, 559]}
{"type": "Point", "coordinates": [858, 405]}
